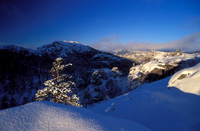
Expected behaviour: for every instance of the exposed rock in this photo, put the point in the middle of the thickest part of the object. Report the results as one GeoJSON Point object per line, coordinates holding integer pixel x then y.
{"type": "Point", "coordinates": [157, 74]}
{"type": "Point", "coordinates": [182, 76]}
{"type": "Point", "coordinates": [162, 67]}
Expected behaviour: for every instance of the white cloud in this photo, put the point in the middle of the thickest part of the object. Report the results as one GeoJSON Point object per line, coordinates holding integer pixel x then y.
{"type": "Point", "coordinates": [109, 43]}
{"type": "Point", "coordinates": [188, 43]}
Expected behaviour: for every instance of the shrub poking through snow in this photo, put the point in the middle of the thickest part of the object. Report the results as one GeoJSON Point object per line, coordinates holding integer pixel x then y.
{"type": "Point", "coordinates": [59, 89]}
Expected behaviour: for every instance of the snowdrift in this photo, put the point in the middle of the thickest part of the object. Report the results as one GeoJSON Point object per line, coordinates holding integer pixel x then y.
{"type": "Point", "coordinates": [156, 107]}
{"type": "Point", "coordinates": [48, 116]}
{"type": "Point", "coordinates": [187, 80]}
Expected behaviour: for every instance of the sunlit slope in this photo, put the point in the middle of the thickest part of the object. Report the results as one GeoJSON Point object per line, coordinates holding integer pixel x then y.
{"type": "Point", "coordinates": [157, 107]}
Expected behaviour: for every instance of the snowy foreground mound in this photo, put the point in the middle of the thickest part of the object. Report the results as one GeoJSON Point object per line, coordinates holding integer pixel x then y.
{"type": "Point", "coordinates": [187, 80]}
{"type": "Point", "coordinates": [47, 116]}
{"type": "Point", "coordinates": [156, 107]}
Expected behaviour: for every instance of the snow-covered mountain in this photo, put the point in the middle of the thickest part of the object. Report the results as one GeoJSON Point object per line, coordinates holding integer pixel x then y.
{"type": "Point", "coordinates": [17, 49]}
{"type": "Point", "coordinates": [48, 116]}
{"type": "Point", "coordinates": [158, 107]}
{"type": "Point", "coordinates": [63, 48]}
{"type": "Point", "coordinates": [23, 71]}
{"type": "Point", "coordinates": [75, 53]}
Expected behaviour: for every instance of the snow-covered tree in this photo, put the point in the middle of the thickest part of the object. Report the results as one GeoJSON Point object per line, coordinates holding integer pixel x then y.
{"type": "Point", "coordinates": [180, 51]}
{"type": "Point", "coordinates": [115, 72]}
{"type": "Point", "coordinates": [59, 89]}
{"type": "Point", "coordinates": [103, 74]}
{"type": "Point", "coordinates": [94, 92]}
{"type": "Point", "coordinates": [104, 85]}
{"type": "Point", "coordinates": [96, 78]}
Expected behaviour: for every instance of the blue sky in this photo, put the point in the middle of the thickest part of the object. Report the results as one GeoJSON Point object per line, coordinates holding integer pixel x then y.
{"type": "Point", "coordinates": [103, 24]}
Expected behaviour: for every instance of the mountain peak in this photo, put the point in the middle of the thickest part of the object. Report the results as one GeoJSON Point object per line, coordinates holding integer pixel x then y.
{"type": "Point", "coordinates": [65, 42]}
{"type": "Point", "coordinates": [62, 48]}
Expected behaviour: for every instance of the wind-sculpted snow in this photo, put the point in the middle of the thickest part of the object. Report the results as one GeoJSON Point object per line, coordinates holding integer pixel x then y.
{"type": "Point", "coordinates": [48, 116]}
{"type": "Point", "coordinates": [187, 80]}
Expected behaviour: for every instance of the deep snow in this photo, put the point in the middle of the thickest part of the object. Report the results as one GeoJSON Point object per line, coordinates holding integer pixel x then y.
{"type": "Point", "coordinates": [157, 107]}
{"type": "Point", "coordinates": [48, 116]}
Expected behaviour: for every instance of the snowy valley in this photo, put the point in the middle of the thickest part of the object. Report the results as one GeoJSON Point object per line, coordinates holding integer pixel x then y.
{"type": "Point", "coordinates": [125, 91]}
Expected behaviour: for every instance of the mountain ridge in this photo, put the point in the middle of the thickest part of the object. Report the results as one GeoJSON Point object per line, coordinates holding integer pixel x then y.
{"type": "Point", "coordinates": [24, 71]}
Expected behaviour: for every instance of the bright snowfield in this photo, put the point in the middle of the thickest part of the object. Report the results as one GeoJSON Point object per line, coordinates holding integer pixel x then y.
{"type": "Point", "coordinates": [48, 116]}
{"type": "Point", "coordinates": [160, 59]}
{"type": "Point", "coordinates": [158, 107]}
{"type": "Point", "coordinates": [187, 80]}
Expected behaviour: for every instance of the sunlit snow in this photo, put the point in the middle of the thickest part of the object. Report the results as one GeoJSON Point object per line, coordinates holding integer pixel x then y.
{"type": "Point", "coordinates": [187, 80]}
{"type": "Point", "coordinates": [158, 107]}
{"type": "Point", "coordinates": [48, 116]}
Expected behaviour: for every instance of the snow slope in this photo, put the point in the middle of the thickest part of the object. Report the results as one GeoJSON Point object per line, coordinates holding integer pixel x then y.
{"type": "Point", "coordinates": [156, 107]}
{"type": "Point", "coordinates": [48, 116]}
{"type": "Point", "coordinates": [187, 80]}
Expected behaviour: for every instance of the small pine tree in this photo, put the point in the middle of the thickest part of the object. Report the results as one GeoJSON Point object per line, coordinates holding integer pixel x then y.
{"type": "Point", "coordinates": [94, 91]}
{"type": "Point", "coordinates": [58, 89]}
{"type": "Point", "coordinates": [180, 51]}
